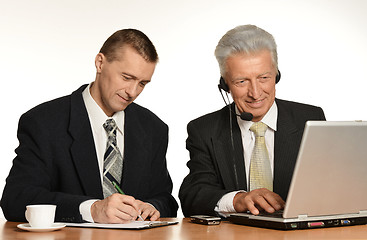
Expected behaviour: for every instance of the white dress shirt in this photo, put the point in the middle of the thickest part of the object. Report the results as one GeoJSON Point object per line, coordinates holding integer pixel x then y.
{"type": "Point", "coordinates": [225, 204]}
{"type": "Point", "coordinates": [97, 118]}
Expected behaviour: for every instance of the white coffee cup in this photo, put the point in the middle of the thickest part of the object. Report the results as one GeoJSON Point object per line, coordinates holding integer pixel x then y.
{"type": "Point", "coordinates": [40, 216]}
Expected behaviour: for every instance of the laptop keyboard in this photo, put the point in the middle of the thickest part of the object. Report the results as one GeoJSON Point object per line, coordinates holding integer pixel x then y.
{"type": "Point", "coordinates": [277, 214]}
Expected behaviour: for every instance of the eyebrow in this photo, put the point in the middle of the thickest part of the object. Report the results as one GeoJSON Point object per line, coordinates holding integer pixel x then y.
{"type": "Point", "coordinates": [134, 77]}
{"type": "Point", "coordinates": [129, 75]}
{"type": "Point", "coordinates": [244, 78]}
{"type": "Point", "coordinates": [265, 73]}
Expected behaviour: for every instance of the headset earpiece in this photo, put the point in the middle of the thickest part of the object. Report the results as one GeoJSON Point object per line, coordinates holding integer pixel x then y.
{"type": "Point", "coordinates": [277, 78]}
{"type": "Point", "coordinates": [223, 85]}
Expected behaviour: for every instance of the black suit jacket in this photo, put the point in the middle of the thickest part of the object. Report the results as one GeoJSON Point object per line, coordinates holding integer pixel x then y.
{"type": "Point", "coordinates": [56, 160]}
{"type": "Point", "coordinates": [212, 173]}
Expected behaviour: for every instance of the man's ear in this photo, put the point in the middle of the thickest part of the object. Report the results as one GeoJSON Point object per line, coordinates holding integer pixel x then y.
{"type": "Point", "coordinates": [100, 58]}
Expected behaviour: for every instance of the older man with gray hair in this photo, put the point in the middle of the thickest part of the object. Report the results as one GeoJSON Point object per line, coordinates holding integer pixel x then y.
{"type": "Point", "coordinates": [242, 156]}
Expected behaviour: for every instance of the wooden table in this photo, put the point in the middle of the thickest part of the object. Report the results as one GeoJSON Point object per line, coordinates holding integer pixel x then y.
{"type": "Point", "coordinates": [184, 230]}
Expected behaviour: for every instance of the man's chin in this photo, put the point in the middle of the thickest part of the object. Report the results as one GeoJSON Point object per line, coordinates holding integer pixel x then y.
{"type": "Point", "coordinates": [122, 107]}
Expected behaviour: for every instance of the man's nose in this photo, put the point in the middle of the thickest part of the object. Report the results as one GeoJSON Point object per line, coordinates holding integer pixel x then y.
{"type": "Point", "coordinates": [132, 89]}
{"type": "Point", "coordinates": [254, 89]}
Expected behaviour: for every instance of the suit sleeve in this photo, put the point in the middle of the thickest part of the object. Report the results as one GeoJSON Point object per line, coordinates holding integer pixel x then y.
{"type": "Point", "coordinates": [322, 114]}
{"type": "Point", "coordinates": [160, 184]}
{"type": "Point", "coordinates": [32, 178]}
{"type": "Point", "coordinates": [202, 188]}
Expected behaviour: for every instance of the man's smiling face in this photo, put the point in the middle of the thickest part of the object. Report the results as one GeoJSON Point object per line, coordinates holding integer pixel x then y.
{"type": "Point", "coordinates": [251, 80]}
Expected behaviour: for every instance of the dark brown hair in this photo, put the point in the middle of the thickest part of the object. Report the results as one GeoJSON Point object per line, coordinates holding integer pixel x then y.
{"type": "Point", "coordinates": [133, 38]}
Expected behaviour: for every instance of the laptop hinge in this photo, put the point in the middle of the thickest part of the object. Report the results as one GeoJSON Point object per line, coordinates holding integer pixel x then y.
{"type": "Point", "coordinates": [302, 216]}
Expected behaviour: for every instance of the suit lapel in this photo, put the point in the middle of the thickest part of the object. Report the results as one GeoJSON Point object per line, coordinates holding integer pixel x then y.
{"type": "Point", "coordinates": [226, 153]}
{"type": "Point", "coordinates": [286, 145]}
{"type": "Point", "coordinates": [135, 152]}
{"type": "Point", "coordinates": [82, 149]}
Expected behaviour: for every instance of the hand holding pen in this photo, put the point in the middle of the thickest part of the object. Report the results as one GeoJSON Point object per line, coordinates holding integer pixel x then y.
{"type": "Point", "coordinates": [148, 210]}
{"type": "Point", "coordinates": [118, 208]}
{"type": "Point", "coordinates": [121, 192]}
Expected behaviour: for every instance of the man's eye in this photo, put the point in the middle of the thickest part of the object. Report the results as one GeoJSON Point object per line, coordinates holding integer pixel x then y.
{"type": "Point", "coordinates": [240, 82]}
{"type": "Point", "coordinates": [265, 78]}
{"type": "Point", "coordinates": [143, 84]}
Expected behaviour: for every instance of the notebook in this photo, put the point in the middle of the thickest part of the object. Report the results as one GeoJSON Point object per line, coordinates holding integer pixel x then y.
{"type": "Point", "coordinates": [132, 225]}
{"type": "Point", "coordinates": [329, 183]}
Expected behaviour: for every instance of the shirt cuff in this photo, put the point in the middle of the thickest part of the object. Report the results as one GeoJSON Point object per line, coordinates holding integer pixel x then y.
{"type": "Point", "coordinates": [225, 206]}
{"type": "Point", "coordinates": [84, 209]}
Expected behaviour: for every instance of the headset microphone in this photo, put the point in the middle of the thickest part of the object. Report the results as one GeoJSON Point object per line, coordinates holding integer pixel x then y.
{"type": "Point", "coordinates": [223, 86]}
{"type": "Point", "coordinates": [246, 116]}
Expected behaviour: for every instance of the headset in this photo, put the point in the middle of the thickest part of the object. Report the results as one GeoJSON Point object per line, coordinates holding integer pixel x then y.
{"type": "Point", "coordinates": [243, 115]}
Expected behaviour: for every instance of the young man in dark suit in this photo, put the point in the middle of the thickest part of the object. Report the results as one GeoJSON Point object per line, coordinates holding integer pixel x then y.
{"type": "Point", "coordinates": [75, 148]}
{"type": "Point", "coordinates": [230, 170]}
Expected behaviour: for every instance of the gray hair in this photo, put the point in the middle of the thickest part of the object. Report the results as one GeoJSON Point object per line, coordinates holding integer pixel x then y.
{"type": "Point", "coordinates": [245, 39]}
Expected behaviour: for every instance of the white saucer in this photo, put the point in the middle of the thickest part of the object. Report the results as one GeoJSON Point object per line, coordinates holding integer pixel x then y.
{"type": "Point", "coordinates": [27, 227]}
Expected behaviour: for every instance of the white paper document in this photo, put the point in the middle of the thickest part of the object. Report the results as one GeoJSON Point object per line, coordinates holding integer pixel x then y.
{"type": "Point", "coordinates": [131, 225]}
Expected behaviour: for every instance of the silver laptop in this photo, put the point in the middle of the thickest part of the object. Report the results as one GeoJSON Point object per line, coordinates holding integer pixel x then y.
{"type": "Point", "coordinates": [329, 184]}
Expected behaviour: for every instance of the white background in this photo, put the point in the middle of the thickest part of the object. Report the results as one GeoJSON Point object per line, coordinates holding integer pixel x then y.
{"type": "Point", "coordinates": [48, 47]}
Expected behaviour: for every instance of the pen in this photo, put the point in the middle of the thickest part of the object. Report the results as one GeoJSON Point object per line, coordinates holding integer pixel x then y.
{"type": "Point", "coordinates": [120, 191]}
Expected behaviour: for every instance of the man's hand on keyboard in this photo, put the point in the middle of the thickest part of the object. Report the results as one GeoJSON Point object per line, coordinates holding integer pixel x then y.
{"type": "Point", "coordinates": [258, 200]}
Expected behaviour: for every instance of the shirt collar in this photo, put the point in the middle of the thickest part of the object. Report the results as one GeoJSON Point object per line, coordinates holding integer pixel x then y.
{"type": "Point", "coordinates": [98, 115]}
{"type": "Point", "coordinates": [271, 117]}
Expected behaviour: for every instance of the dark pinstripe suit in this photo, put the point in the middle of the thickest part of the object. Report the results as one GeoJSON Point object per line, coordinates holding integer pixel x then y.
{"type": "Point", "coordinates": [211, 165]}
{"type": "Point", "coordinates": [56, 160]}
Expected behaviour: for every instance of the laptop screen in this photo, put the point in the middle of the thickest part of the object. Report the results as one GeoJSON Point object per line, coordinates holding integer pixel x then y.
{"type": "Point", "coordinates": [330, 175]}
